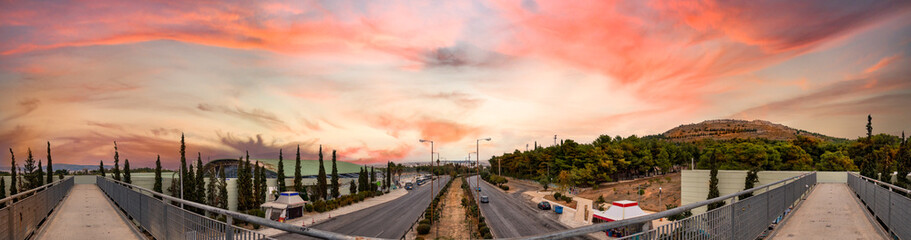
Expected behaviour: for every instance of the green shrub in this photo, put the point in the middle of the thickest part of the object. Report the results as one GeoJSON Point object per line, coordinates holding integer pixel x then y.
{"type": "Point", "coordinates": [425, 221]}
{"type": "Point", "coordinates": [423, 229]}
{"type": "Point", "coordinates": [557, 195]}
{"type": "Point", "coordinates": [487, 236]}
{"type": "Point", "coordinates": [504, 187]}
{"type": "Point", "coordinates": [484, 230]}
{"type": "Point", "coordinates": [309, 207]}
{"type": "Point", "coordinates": [419, 238]}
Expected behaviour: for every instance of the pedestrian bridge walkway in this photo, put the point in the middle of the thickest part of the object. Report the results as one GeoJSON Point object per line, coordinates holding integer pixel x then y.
{"type": "Point", "coordinates": [831, 211]}
{"type": "Point", "coordinates": [86, 214]}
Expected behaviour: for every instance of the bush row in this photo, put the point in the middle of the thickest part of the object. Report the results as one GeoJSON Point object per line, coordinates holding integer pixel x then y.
{"type": "Point", "coordinates": [562, 197]}
{"type": "Point", "coordinates": [332, 204]}
{"type": "Point", "coordinates": [472, 211]}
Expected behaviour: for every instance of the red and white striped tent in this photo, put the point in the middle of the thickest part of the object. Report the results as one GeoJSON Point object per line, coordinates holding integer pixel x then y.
{"type": "Point", "coordinates": [620, 210]}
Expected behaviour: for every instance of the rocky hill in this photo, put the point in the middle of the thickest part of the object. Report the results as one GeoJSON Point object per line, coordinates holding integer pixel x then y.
{"type": "Point", "coordinates": [725, 129]}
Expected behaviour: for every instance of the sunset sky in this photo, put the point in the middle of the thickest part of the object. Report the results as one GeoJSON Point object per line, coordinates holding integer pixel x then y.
{"type": "Point", "coordinates": [371, 78]}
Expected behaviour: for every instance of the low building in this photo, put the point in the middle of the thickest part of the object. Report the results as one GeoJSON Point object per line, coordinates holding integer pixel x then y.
{"type": "Point", "coordinates": [289, 205]}
{"type": "Point", "coordinates": [620, 210]}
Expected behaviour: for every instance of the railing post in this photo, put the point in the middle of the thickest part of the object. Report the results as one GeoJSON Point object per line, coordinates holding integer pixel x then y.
{"type": "Point", "coordinates": [12, 229]}
{"type": "Point", "coordinates": [229, 228]}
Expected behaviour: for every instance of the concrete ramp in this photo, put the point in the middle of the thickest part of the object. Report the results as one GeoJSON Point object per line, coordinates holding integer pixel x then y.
{"type": "Point", "coordinates": [830, 212]}
{"type": "Point", "coordinates": [86, 214]}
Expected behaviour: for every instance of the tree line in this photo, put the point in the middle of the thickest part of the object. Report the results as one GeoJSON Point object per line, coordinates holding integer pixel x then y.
{"type": "Point", "coordinates": [609, 158]}
{"type": "Point", "coordinates": [29, 176]}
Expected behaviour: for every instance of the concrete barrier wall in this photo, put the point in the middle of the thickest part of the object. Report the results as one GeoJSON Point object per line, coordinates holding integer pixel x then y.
{"type": "Point", "coordinates": [695, 183]}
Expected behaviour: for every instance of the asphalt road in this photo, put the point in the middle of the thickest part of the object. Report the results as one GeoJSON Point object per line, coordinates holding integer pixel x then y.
{"type": "Point", "coordinates": [388, 220]}
{"type": "Point", "coordinates": [511, 215]}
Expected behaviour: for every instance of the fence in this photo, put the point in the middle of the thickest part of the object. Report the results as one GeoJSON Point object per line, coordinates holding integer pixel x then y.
{"type": "Point", "coordinates": [887, 202]}
{"type": "Point", "coordinates": [19, 219]}
{"type": "Point", "coordinates": [166, 221]}
{"type": "Point", "coordinates": [745, 219]}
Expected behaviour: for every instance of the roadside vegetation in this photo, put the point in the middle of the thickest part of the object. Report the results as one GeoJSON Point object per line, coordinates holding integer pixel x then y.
{"type": "Point", "coordinates": [479, 229]}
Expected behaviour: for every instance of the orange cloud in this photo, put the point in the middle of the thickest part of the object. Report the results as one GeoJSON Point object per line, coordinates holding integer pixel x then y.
{"type": "Point", "coordinates": [882, 63]}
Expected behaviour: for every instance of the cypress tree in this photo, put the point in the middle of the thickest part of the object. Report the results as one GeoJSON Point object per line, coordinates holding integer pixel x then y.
{"type": "Point", "coordinates": [870, 127]}
{"type": "Point", "coordinates": [372, 180]}
{"type": "Point", "coordinates": [2, 191]}
{"type": "Point", "coordinates": [280, 179]}
{"type": "Point", "coordinates": [13, 190]}
{"type": "Point", "coordinates": [39, 180]}
{"type": "Point", "coordinates": [28, 171]}
{"type": "Point", "coordinates": [100, 168]}
{"type": "Point", "coordinates": [157, 186]}
{"type": "Point", "coordinates": [750, 182]}
{"type": "Point", "coordinates": [362, 180]}
{"type": "Point", "coordinates": [257, 186]}
{"type": "Point", "coordinates": [50, 164]}
{"type": "Point", "coordinates": [298, 184]}
{"type": "Point", "coordinates": [243, 185]}
{"type": "Point", "coordinates": [223, 189]}
{"type": "Point", "coordinates": [389, 175]}
{"type": "Point", "coordinates": [321, 177]}
{"type": "Point", "coordinates": [189, 191]}
{"type": "Point", "coordinates": [352, 188]}
{"type": "Point", "coordinates": [212, 191]}
{"type": "Point", "coordinates": [116, 163]}
{"type": "Point", "coordinates": [200, 180]}
{"type": "Point", "coordinates": [713, 184]}
{"type": "Point", "coordinates": [126, 171]}
{"type": "Point", "coordinates": [183, 168]}
{"type": "Point", "coordinates": [264, 186]}
{"type": "Point", "coordinates": [335, 192]}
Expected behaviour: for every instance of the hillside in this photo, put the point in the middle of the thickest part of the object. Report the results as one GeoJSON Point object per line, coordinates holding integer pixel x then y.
{"type": "Point", "coordinates": [726, 129]}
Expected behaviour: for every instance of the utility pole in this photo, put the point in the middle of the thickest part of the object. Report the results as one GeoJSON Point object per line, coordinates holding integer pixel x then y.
{"type": "Point", "coordinates": [431, 178]}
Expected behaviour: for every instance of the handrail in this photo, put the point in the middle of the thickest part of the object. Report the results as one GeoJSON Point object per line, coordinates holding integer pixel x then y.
{"type": "Point", "coordinates": [646, 218]}
{"type": "Point", "coordinates": [248, 218]}
{"type": "Point", "coordinates": [30, 191]}
{"type": "Point", "coordinates": [893, 187]}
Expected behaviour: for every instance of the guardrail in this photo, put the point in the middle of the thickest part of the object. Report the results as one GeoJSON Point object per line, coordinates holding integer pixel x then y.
{"type": "Point", "coordinates": [888, 203]}
{"type": "Point", "coordinates": [166, 221]}
{"type": "Point", "coordinates": [20, 218]}
{"type": "Point", "coordinates": [745, 219]}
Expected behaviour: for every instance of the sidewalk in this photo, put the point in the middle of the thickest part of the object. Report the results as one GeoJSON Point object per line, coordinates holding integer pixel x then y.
{"type": "Point", "coordinates": [830, 212]}
{"type": "Point", "coordinates": [312, 218]}
{"type": "Point", "coordinates": [87, 214]}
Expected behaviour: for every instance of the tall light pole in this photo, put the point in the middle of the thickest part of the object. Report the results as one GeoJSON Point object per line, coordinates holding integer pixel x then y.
{"type": "Point", "coordinates": [431, 178]}
{"type": "Point", "coordinates": [478, 154]}
{"type": "Point", "coordinates": [659, 197]}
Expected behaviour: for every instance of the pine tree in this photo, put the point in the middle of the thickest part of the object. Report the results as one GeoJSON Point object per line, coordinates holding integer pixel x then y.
{"type": "Point", "coordinates": [298, 184]}
{"type": "Point", "coordinates": [40, 178]}
{"type": "Point", "coordinates": [222, 189]}
{"type": "Point", "coordinates": [280, 179]}
{"type": "Point", "coordinates": [126, 171]}
{"type": "Point", "coordinates": [352, 188]}
{"type": "Point", "coordinates": [101, 168]}
{"type": "Point", "coordinates": [50, 164]}
{"type": "Point", "coordinates": [200, 180]}
{"type": "Point", "coordinates": [212, 191]}
{"type": "Point", "coordinates": [335, 192]}
{"type": "Point", "coordinates": [257, 186]}
{"type": "Point", "coordinates": [13, 190]}
{"type": "Point", "coordinates": [116, 163]}
{"type": "Point", "coordinates": [713, 184]}
{"type": "Point", "coordinates": [870, 127]}
{"type": "Point", "coordinates": [321, 185]}
{"type": "Point", "coordinates": [157, 186]}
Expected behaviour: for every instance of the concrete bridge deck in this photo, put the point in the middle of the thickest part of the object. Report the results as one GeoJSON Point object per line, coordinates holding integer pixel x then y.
{"type": "Point", "coordinates": [86, 214]}
{"type": "Point", "coordinates": [830, 212]}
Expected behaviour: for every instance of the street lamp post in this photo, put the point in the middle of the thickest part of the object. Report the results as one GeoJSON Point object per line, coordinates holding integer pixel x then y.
{"type": "Point", "coordinates": [478, 179]}
{"type": "Point", "coordinates": [431, 178]}
{"type": "Point", "coordinates": [659, 198]}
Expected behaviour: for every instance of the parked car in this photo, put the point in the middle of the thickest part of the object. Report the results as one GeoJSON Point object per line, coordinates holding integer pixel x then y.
{"type": "Point", "coordinates": [484, 199]}
{"type": "Point", "coordinates": [544, 205]}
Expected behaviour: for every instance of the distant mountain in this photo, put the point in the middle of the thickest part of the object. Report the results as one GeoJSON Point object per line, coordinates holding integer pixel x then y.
{"type": "Point", "coordinates": [725, 129]}
{"type": "Point", "coordinates": [71, 167]}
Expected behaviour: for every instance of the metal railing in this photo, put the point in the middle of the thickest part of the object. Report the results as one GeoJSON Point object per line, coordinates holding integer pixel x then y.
{"type": "Point", "coordinates": [745, 219]}
{"type": "Point", "coordinates": [888, 203]}
{"type": "Point", "coordinates": [166, 221]}
{"type": "Point", "coordinates": [20, 218]}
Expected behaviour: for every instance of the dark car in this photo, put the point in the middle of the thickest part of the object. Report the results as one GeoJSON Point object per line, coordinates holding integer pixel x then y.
{"type": "Point", "coordinates": [484, 199]}
{"type": "Point", "coordinates": [544, 205]}
{"type": "Point", "coordinates": [479, 189]}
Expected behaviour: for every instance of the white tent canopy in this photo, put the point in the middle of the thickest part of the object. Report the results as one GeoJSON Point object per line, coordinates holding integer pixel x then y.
{"type": "Point", "coordinates": [620, 210]}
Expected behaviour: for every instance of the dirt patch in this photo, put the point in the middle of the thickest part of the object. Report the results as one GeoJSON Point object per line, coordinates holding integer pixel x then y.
{"type": "Point", "coordinates": [627, 190]}
{"type": "Point", "coordinates": [453, 223]}
{"type": "Point", "coordinates": [522, 185]}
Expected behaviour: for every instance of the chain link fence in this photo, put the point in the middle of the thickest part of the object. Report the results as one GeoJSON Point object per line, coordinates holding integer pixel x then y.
{"type": "Point", "coordinates": [888, 203]}
{"type": "Point", "coordinates": [25, 211]}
